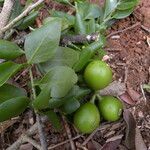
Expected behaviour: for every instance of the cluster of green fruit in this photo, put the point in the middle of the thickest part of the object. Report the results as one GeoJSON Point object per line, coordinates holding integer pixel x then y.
{"type": "Point", "coordinates": [97, 75]}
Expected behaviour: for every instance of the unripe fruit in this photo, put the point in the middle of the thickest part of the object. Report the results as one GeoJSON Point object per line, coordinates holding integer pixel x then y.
{"type": "Point", "coordinates": [110, 108]}
{"type": "Point", "coordinates": [98, 75]}
{"type": "Point", "coordinates": [87, 118]}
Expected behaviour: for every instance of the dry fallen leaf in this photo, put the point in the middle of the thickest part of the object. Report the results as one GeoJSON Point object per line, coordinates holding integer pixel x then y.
{"type": "Point", "coordinates": [27, 146]}
{"type": "Point", "coordinates": [133, 94]}
{"type": "Point", "coordinates": [112, 143]}
{"type": "Point", "coordinates": [116, 88]}
{"type": "Point", "coordinates": [91, 146]}
{"type": "Point", "coordinates": [126, 98]}
{"type": "Point", "coordinates": [122, 147]}
{"type": "Point", "coordinates": [139, 143]}
{"type": "Point", "coordinates": [97, 145]}
{"type": "Point", "coordinates": [130, 129]}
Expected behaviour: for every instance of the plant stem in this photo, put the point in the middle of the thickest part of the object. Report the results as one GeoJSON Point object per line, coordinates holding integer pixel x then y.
{"type": "Point", "coordinates": [38, 118]}
{"type": "Point", "coordinates": [32, 84]}
{"type": "Point", "coordinates": [70, 4]}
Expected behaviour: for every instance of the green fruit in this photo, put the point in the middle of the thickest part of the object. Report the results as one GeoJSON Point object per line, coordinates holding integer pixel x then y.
{"type": "Point", "coordinates": [87, 118]}
{"type": "Point", "coordinates": [98, 75]}
{"type": "Point", "coordinates": [110, 108]}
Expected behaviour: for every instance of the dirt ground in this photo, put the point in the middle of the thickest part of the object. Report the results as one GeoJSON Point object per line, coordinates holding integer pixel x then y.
{"type": "Point", "coordinates": [129, 57]}
{"type": "Point", "coordinates": [130, 60]}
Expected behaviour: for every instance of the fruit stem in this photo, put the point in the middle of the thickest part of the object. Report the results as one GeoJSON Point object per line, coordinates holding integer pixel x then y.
{"type": "Point", "coordinates": [92, 100]}
{"type": "Point", "coordinates": [99, 97]}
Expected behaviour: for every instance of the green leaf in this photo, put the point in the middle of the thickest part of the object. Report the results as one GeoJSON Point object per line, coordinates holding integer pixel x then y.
{"type": "Point", "coordinates": [8, 69]}
{"type": "Point", "coordinates": [61, 78]}
{"type": "Point", "coordinates": [42, 100]}
{"type": "Point", "coordinates": [69, 18]}
{"type": "Point", "coordinates": [76, 92]}
{"type": "Point", "coordinates": [28, 2]}
{"type": "Point", "coordinates": [101, 53]}
{"type": "Point", "coordinates": [56, 102]}
{"type": "Point", "coordinates": [64, 56]}
{"type": "Point", "coordinates": [87, 53]}
{"type": "Point", "coordinates": [54, 119]}
{"type": "Point", "coordinates": [28, 21]}
{"type": "Point", "coordinates": [79, 25]}
{"type": "Point", "coordinates": [65, 22]}
{"type": "Point", "coordinates": [9, 50]}
{"type": "Point", "coordinates": [127, 4]}
{"type": "Point", "coordinates": [89, 11]}
{"type": "Point", "coordinates": [120, 14]}
{"type": "Point", "coordinates": [147, 87]}
{"type": "Point", "coordinates": [109, 6]}
{"type": "Point", "coordinates": [41, 44]}
{"type": "Point", "coordinates": [8, 91]}
{"type": "Point", "coordinates": [90, 26]}
{"type": "Point", "coordinates": [63, 1]}
{"type": "Point", "coordinates": [17, 9]}
{"type": "Point", "coordinates": [13, 107]}
{"type": "Point", "coordinates": [70, 106]}
{"type": "Point", "coordinates": [93, 11]}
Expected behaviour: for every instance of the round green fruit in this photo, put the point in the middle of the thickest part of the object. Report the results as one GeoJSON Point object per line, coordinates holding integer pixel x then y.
{"type": "Point", "coordinates": [87, 118]}
{"type": "Point", "coordinates": [110, 108]}
{"type": "Point", "coordinates": [98, 75]}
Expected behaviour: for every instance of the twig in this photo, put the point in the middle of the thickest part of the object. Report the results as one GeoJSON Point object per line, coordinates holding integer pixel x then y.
{"type": "Point", "coordinates": [39, 123]}
{"type": "Point", "coordinates": [22, 15]}
{"type": "Point", "coordinates": [102, 127]}
{"type": "Point", "coordinates": [5, 13]}
{"type": "Point", "coordinates": [33, 142]}
{"type": "Point", "coordinates": [78, 39]}
{"type": "Point", "coordinates": [69, 134]}
{"type": "Point", "coordinates": [81, 146]}
{"type": "Point", "coordinates": [126, 74]}
{"type": "Point", "coordinates": [143, 93]}
{"type": "Point", "coordinates": [145, 28]}
{"type": "Point", "coordinates": [41, 133]}
{"type": "Point", "coordinates": [16, 145]}
{"type": "Point", "coordinates": [90, 137]}
{"type": "Point", "coordinates": [21, 139]}
{"type": "Point", "coordinates": [120, 31]}
{"type": "Point", "coordinates": [21, 74]}
{"type": "Point", "coordinates": [62, 143]}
